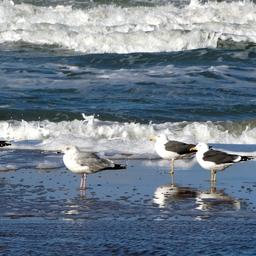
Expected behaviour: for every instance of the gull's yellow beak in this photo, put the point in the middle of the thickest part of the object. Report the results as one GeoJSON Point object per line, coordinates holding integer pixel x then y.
{"type": "Point", "coordinates": [193, 149]}
{"type": "Point", "coordinates": [152, 138]}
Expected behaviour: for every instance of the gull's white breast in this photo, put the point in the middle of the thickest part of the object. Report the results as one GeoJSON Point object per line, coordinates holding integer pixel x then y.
{"type": "Point", "coordinates": [161, 151]}
{"type": "Point", "coordinates": [73, 166]}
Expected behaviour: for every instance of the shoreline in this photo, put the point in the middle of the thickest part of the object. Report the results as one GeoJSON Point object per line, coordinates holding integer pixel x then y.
{"type": "Point", "coordinates": [48, 180]}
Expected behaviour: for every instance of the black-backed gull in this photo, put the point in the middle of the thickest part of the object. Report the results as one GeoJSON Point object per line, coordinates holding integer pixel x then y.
{"type": "Point", "coordinates": [172, 150]}
{"type": "Point", "coordinates": [215, 160]}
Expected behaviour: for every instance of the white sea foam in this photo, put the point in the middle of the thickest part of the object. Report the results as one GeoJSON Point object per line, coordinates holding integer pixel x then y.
{"type": "Point", "coordinates": [8, 167]}
{"type": "Point", "coordinates": [115, 138]}
{"type": "Point", "coordinates": [109, 29]}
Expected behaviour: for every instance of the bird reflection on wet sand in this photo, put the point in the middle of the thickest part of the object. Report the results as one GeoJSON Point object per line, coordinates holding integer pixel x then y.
{"type": "Point", "coordinates": [216, 200]}
{"type": "Point", "coordinates": [168, 195]}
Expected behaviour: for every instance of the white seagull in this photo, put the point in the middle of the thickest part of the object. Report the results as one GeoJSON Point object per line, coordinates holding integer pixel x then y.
{"type": "Point", "coordinates": [172, 150]}
{"type": "Point", "coordinates": [86, 163]}
{"type": "Point", "coordinates": [215, 160]}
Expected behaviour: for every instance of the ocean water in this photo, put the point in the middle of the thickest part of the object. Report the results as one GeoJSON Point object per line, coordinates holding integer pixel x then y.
{"type": "Point", "coordinates": [107, 75]}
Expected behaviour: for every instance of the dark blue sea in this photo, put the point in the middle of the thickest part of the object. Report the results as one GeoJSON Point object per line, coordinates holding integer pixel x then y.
{"type": "Point", "coordinates": [105, 76]}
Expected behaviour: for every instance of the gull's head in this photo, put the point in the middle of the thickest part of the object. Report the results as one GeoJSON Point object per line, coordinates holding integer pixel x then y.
{"type": "Point", "coordinates": [200, 147]}
{"type": "Point", "coordinates": [69, 149]}
{"type": "Point", "coordinates": [159, 138]}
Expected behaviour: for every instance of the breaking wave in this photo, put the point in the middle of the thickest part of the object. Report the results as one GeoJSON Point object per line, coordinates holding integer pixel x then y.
{"type": "Point", "coordinates": [92, 134]}
{"type": "Point", "coordinates": [115, 29]}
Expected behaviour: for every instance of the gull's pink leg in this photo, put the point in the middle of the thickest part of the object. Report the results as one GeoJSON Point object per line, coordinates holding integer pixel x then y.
{"type": "Point", "coordinates": [83, 181]}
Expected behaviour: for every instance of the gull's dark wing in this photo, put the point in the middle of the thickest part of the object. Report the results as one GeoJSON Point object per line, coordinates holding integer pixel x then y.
{"type": "Point", "coordinates": [178, 147]}
{"type": "Point", "coordinates": [219, 157]}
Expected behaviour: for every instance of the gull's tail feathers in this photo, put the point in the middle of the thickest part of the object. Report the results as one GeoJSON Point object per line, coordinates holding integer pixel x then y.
{"type": "Point", "coordinates": [4, 143]}
{"type": "Point", "coordinates": [116, 167]}
{"type": "Point", "coordinates": [246, 158]}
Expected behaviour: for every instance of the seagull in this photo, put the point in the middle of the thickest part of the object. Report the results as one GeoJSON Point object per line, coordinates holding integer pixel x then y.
{"type": "Point", "coordinates": [215, 160]}
{"type": "Point", "coordinates": [4, 143]}
{"type": "Point", "coordinates": [172, 150]}
{"type": "Point", "coordinates": [86, 163]}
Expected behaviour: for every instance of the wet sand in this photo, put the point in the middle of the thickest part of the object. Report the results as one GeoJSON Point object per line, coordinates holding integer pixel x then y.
{"type": "Point", "coordinates": [136, 211]}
